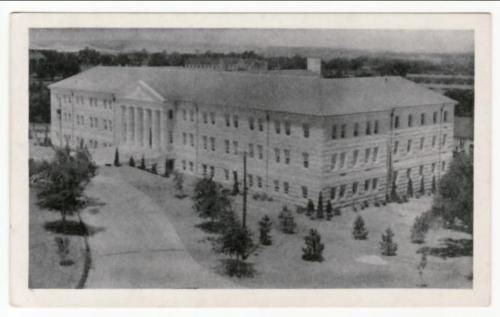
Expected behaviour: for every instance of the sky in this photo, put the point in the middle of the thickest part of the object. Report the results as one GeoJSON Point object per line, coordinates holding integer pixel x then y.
{"type": "Point", "coordinates": [416, 41]}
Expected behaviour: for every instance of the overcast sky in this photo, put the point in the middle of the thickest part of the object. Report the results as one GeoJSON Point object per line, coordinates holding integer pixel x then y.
{"type": "Point", "coordinates": [434, 41]}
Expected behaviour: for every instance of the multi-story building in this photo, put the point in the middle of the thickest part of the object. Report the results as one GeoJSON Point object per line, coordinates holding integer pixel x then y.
{"type": "Point", "coordinates": [353, 139]}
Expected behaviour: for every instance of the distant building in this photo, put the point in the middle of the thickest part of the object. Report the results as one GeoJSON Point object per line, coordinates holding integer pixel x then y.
{"type": "Point", "coordinates": [39, 133]}
{"type": "Point", "coordinates": [442, 82]}
{"type": "Point", "coordinates": [227, 64]}
{"type": "Point", "coordinates": [352, 139]}
{"type": "Point", "coordinates": [464, 134]}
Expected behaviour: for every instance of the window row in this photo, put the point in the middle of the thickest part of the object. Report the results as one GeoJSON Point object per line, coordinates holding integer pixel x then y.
{"type": "Point", "coordinates": [339, 160]}
{"type": "Point", "coordinates": [80, 100]}
{"type": "Point", "coordinates": [433, 166]}
{"type": "Point", "coordinates": [423, 119]}
{"type": "Point", "coordinates": [421, 143]}
{"type": "Point", "coordinates": [340, 192]}
{"type": "Point", "coordinates": [339, 131]}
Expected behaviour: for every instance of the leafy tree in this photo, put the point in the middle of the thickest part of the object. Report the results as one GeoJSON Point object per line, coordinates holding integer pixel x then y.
{"type": "Point", "coordinates": [329, 210]}
{"type": "Point", "coordinates": [319, 210]}
{"type": "Point", "coordinates": [387, 246]}
{"type": "Point", "coordinates": [210, 200]}
{"type": "Point", "coordinates": [454, 201]}
{"type": "Point", "coordinates": [131, 162]}
{"type": "Point", "coordinates": [310, 208]}
{"type": "Point", "coordinates": [359, 231]}
{"type": "Point", "coordinates": [419, 228]}
{"type": "Point", "coordinates": [117, 158]}
{"type": "Point", "coordinates": [265, 225]}
{"type": "Point", "coordinates": [143, 163]}
{"type": "Point", "coordinates": [287, 221]}
{"type": "Point", "coordinates": [65, 179]}
{"type": "Point", "coordinates": [179, 184]}
{"type": "Point", "coordinates": [313, 250]}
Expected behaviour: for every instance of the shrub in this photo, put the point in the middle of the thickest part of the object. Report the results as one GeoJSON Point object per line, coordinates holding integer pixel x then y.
{"type": "Point", "coordinates": [310, 208]}
{"type": "Point", "coordinates": [166, 173]}
{"type": "Point", "coordinates": [265, 225]}
{"type": "Point", "coordinates": [117, 158]}
{"type": "Point", "coordinates": [319, 210]}
{"type": "Point", "coordinates": [422, 186]}
{"type": "Point", "coordinates": [359, 231]}
{"type": "Point", "coordinates": [143, 163]}
{"type": "Point", "coordinates": [329, 210]}
{"type": "Point", "coordinates": [288, 224]}
{"type": "Point", "coordinates": [387, 246]}
{"type": "Point", "coordinates": [337, 211]}
{"type": "Point", "coordinates": [419, 229]}
{"type": "Point", "coordinates": [313, 250]}
{"type": "Point", "coordinates": [131, 162]}
{"type": "Point", "coordinates": [154, 169]}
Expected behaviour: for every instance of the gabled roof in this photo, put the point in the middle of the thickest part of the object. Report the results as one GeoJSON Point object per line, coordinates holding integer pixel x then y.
{"type": "Point", "coordinates": [464, 128]}
{"type": "Point", "coordinates": [265, 91]}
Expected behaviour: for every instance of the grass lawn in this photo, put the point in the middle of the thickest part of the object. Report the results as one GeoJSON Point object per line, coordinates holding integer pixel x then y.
{"type": "Point", "coordinates": [348, 263]}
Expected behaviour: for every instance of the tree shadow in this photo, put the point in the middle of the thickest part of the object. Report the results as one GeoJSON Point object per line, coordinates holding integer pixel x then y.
{"type": "Point", "coordinates": [72, 228]}
{"type": "Point", "coordinates": [236, 268]}
{"type": "Point", "coordinates": [450, 248]}
{"type": "Point", "coordinates": [211, 227]}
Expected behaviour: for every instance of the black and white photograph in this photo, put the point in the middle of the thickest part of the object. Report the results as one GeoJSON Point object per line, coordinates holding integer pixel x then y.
{"type": "Point", "coordinates": [237, 158]}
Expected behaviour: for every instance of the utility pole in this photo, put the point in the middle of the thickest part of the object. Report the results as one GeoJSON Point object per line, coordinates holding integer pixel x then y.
{"type": "Point", "coordinates": [244, 217]}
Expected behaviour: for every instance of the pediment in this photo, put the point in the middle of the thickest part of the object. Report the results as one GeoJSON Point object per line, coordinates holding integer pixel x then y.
{"type": "Point", "coordinates": [141, 92]}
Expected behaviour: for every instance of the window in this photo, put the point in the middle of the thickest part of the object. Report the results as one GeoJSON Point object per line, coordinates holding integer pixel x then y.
{"type": "Point", "coordinates": [277, 155]}
{"type": "Point", "coordinates": [444, 139]}
{"type": "Point", "coordinates": [368, 127]}
{"type": "Point", "coordinates": [374, 183]}
{"type": "Point", "coordinates": [226, 174]}
{"type": "Point", "coordinates": [226, 143]}
{"type": "Point", "coordinates": [334, 132]}
{"type": "Point", "coordinates": [228, 120]}
{"type": "Point", "coordinates": [342, 159]}
{"type": "Point", "coordinates": [342, 191]}
{"type": "Point", "coordinates": [421, 170]}
{"type": "Point", "coordinates": [355, 157]}
{"type": "Point", "coordinates": [342, 131]}
{"type": "Point", "coordinates": [375, 128]}
{"type": "Point", "coordinates": [408, 172]}
{"type": "Point", "coordinates": [285, 187]}
{"type": "Point", "coordinates": [170, 137]}
{"type": "Point", "coordinates": [367, 155]}
{"type": "Point", "coordinates": [433, 168]}
{"type": "Point", "coordinates": [204, 169]}
{"type": "Point", "coordinates": [422, 141]}
{"type": "Point", "coordinates": [191, 115]}
{"type": "Point", "coordinates": [191, 166]}
{"type": "Point", "coordinates": [443, 166]}
{"type": "Point", "coordinates": [445, 116]}
{"type": "Point", "coordinates": [287, 156]}
{"type": "Point", "coordinates": [367, 185]}
{"type": "Point", "coordinates": [184, 114]}
{"type": "Point", "coordinates": [259, 181]}
{"type": "Point", "coordinates": [356, 129]}
{"type": "Point", "coordinates": [433, 141]}
{"type": "Point", "coordinates": [251, 123]}
{"type": "Point", "coordinates": [260, 152]}
{"type": "Point", "coordinates": [212, 117]}
{"type": "Point", "coordinates": [250, 150]}
{"type": "Point", "coordinates": [235, 121]}
{"type": "Point", "coordinates": [334, 161]}
{"type": "Point", "coordinates": [205, 142]}
{"type": "Point", "coordinates": [287, 127]}
{"type": "Point", "coordinates": [170, 114]}
{"type": "Point", "coordinates": [184, 138]}
{"type": "Point", "coordinates": [396, 122]}
{"type": "Point", "coordinates": [333, 193]}
{"type": "Point", "coordinates": [305, 156]}
{"type": "Point", "coordinates": [434, 117]}
{"type": "Point", "coordinates": [205, 117]}
{"type": "Point", "coordinates": [212, 171]}
{"type": "Point", "coordinates": [410, 121]}
{"type": "Point", "coordinates": [191, 139]}
{"type": "Point", "coordinates": [304, 192]}
{"type": "Point", "coordinates": [235, 145]}
{"type": "Point", "coordinates": [250, 180]}
{"type": "Point", "coordinates": [396, 145]}
{"type": "Point", "coordinates": [422, 119]}
{"type": "Point", "coordinates": [277, 127]}
{"type": "Point", "coordinates": [408, 146]}
{"type": "Point", "coordinates": [305, 127]}
{"type": "Point", "coordinates": [276, 186]}
{"type": "Point", "coordinates": [261, 125]}
{"type": "Point", "coordinates": [212, 143]}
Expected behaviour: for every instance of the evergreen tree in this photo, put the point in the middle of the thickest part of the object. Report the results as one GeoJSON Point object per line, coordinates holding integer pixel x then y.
{"type": "Point", "coordinates": [143, 163]}
{"type": "Point", "coordinates": [419, 229]}
{"type": "Point", "coordinates": [265, 225]}
{"type": "Point", "coordinates": [154, 169]}
{"type": "Point", "coordinates": [179, 185]}
{"type": "Point", "coordinates": [288, 224]}
{"type": "Point", "coordinates": [310, 208]}
{"type": "Point", "coordinates": [422, 186]}
{"type": "Point", "coordinates": [410, 188]}
{"type": "Point", "coordinates": [117, 158]}
{"type": "Point", "coordinates": [313, 250]}
{"type": "Point", "coordinates": [329, 210]}
{"type": "Point", "coordinates": [210, 200]}
{"type": "Point", "coordinates": [131, 162]}
{"type": "Point", "coordinates": [359, 231]}
{"type": "Point", "coordinates": [337, 212]}
{"type": "Point", "coordinates": [319, 210]}
{"type": "Point", "coordinates": [166, 173]}
{"type": "Point", "coordinates": [387, 246]}
{"type": "Point", "coordinates": [433, 189]}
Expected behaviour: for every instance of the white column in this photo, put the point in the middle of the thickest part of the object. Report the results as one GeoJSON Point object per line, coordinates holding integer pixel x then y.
{"type": "Point", "coordinates": [144, 127]}
{"type": "Point", "coordinates": [124, 121]}
{"type": "Point", "coordinates": [161, 127]}
{"type": "Point", "coordinates": [154, 128]}
{"type": "Point", "coordinates": [148, 128]}
{"type": "Point", "coordinates": [137, 127]}
{"type": "Point", "coordinates": [130, 137]}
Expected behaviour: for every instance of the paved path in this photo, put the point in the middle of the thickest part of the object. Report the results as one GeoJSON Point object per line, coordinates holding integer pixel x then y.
{"type": "Point", "coordinates": [135, 246]}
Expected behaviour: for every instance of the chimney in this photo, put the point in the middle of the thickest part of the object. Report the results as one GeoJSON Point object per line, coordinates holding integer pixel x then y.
{"type": "Point", "coordinates": [314, 65]}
